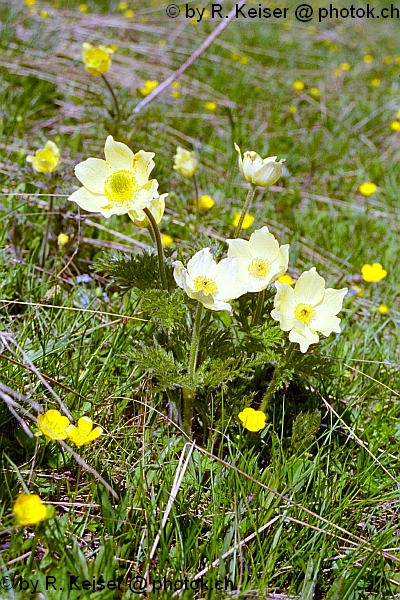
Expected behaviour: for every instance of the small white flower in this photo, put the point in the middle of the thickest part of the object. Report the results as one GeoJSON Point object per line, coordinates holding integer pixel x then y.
{"type": "Point", "coordinates": [210, 283]}
{"type": "Point", "coordinates": [259, 171]}
{"type": "Point", "coordinates": [260, 260]}
{"type": "Point", "coordinates": [118, 185]}
{"type": "Point", "coordinates": [307, 309]}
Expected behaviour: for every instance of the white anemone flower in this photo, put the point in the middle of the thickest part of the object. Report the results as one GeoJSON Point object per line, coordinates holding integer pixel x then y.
{"type": "Point", "coordinates": [308, 309]}
{"type": "Point", "coordinates": [259, 171]}
{"type": "Point", "coordinates": [260, 260]}
{"type": "Point", "coordinates": [118, 185]}
{"type": "Point", "coordinates": [210, 283]}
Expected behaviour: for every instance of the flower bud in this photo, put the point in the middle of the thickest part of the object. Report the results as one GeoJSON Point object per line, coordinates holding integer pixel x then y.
{"type": "Point", "coordinates": [45, 160]}
{"type": "Point", "coordinates": [259, 171]}
{"type": "Point", "coordinates": [186, 162]}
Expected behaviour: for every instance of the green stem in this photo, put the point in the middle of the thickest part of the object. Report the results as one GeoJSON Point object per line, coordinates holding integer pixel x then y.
{"type": "Point", "coordinates": [272, 385]}
{"type": "Point", "coordinates": [160, 250]}
{"type": "Point", "coordinates": [46, 232]}
{"type": "Point", "coordinates": [115, 100]}
{"type": "Point", "coordinates": [196, 191]}
{"type": "Point", "coordinates": [249, 199]}
{"type": "Point", "coordinates": [194, 350]}
{"type": "Point", "coordinates": [259, 308]}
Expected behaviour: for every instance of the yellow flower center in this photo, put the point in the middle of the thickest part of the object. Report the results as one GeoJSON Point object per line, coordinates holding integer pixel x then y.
{"type": "Point", "coordinates": [304, 313]}
{"type": "Point", "coordinates": [259, 267]}
{"type": "Point", "coordinates": [205, 284]}
{"type": "Point", "coordinates": [120, 187]}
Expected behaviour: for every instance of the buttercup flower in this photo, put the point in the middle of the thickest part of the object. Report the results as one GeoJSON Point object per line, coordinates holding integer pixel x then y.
{"type": "Point", "coordinates": [307, 309]}
{"type": "Point", "coordinates": [210, 283]}
{"type": "Point", "coordinates": [395, 125]}
{"type": "Point", "coordinates": [260, 260]}
{"type": "Point", "coordinates": [53, 425]}
{"type": "Point", "coordinates": [96, 59]}
{"type": "Point", "coordinates": [210, 106]}
{"type": "Point", "coordinates": [84, 433]}
{"type": "Point", "coordinates": [149, 86]}
{"type": "Point", "coordinates": [206, 202]}
{"type": "Point", "coordinates": [156, 207]}
{"type": "Point", "coordinates": [185, 162]}
{"type": "Point", "coordinates": [298, 86]}
{"type": "Point", "coordinates": [286, 279]}
{"type": "Point", "coordinates": [345, 66]}
{"type": "Point", "coordinates": [383, 309]}
{"type": "Point", "coordinates": [247, 221]}
{"type": "Point", "coordinates": [167, 240]}
{"type": "Point", "coordinates": [45, 160]}
{"type": "Point", "coordinates": [367, 188]}
{"type": "Point", "coordinates": [253, 420]}
{"type": "Point", "coordinates": [62, 239]}
{"type": "Point", "coordinates": [259, 171]}
{"type": "Point", "coordinates": [373, 273]}
{"type": "Point", "coordinates": [118, 185]}
{"type": "Point", "coordinates": [29, 509]}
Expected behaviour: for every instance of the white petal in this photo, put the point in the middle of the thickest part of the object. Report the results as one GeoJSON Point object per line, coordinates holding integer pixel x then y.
{"type": "Point", "coordinates": [229, 284]}
{"type": "Point", "coordinates": [263, 244]}
{"type": "Point", "coordinates": [118, 155]}
{"type": "Point", "coordinates": [87, 200]}
{"type": "Point", "coordinates": [304, 338]}
{"type": "Point", "coordinates": [284, 303]}
{"type": "Point", "coordinates": [179, 270]}
{"type": "Point", "coordinates": [310, 288]}
{"type": "Point", "coordinates": [279, 265]}
{"type": "Point", "coordinates": [202, 264]}
{"type": "Point", "coordinates": [143, 164]}
{"type": "Point", "coordinates": [325, 320]}
{"type": "Point", "coordinates": [92, 173]}
{"type": "Point", "coordinates": [269, 173]}
{"type": "Point", "coordinates": [212, 303]}
{"type": "Point", "coordinates": [144, 197]}
{"type": "Point", "coordinates": [326, 326]}
{"type": "Point", "coordinates": [239, 249]}
{"type": "Point", "coordinates": [240, 161]}
{"type": "Point", "coordinates": [332, 302]}
{"type": "Point", "coordinates": [252, 162]}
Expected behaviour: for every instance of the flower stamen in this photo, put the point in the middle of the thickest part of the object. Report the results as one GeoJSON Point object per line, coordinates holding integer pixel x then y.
{"type": "Point", "coordinates": [259, 267]}
{"type": "Point", "coordinates": [120, 187]}
{"type": "Point", "coordinates": [304, 313]}
{"type": "Point", "coordinates": [205, 284]}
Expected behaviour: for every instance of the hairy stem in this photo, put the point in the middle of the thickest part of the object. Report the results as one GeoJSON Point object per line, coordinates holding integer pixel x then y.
{"type": "Point", "coordinates": [115, 100]}
{"type": "Point", "coordinates": [160, 251]}
{"type": "Point", "coordinates": [188, 395]}
{"type": "Point", "coordinates": [259, 308]}
{"type": "Point", "coordinates": [249, 199]}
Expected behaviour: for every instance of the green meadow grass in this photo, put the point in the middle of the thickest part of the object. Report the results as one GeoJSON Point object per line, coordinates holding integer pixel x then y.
{"type": "Point", "coordinates": [273, 515]}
